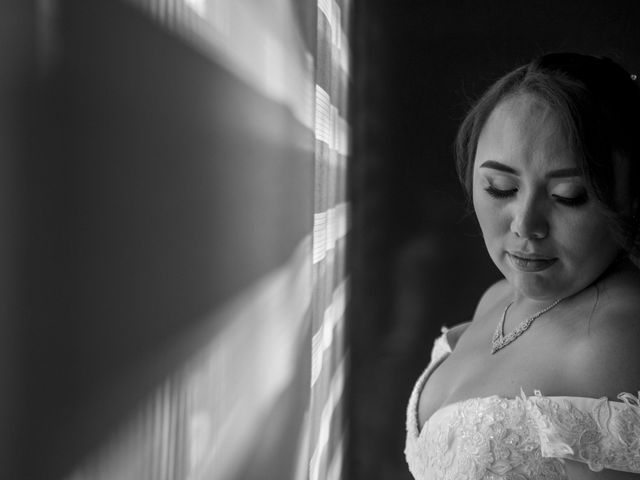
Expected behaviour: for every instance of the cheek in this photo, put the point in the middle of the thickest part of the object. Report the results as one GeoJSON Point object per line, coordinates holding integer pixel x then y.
{"type": "Point", "coordinates": [480, 206]}
{"type": "Point", "coordinates": [586, 239]}
{"type": "Point", "coordinates": [491, 216]}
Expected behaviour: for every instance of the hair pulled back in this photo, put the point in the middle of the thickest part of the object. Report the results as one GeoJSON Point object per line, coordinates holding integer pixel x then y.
{"type": "Point", "coordinates": [598, 107]}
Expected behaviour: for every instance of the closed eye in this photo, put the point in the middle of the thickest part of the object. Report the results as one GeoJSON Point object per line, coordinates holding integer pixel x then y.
{"type": "Point", "coordinates": [497, 193]}
{"type": "Point", "coordinates": [572, 201]}
{"type": "Point", "coordinates": [566, 201]}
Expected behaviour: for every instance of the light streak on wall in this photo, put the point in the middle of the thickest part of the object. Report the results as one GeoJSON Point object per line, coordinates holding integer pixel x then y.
{"type": "Point", "coordinates": [206, 146]}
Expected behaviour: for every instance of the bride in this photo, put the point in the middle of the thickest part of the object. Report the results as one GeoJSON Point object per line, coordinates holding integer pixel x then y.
{"type": "Point", "coordinates": [535, 386]}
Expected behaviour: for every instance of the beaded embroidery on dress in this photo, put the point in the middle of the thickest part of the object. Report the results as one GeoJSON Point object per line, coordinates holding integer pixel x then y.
{"type": "Point", "coordinates": [521, 438]}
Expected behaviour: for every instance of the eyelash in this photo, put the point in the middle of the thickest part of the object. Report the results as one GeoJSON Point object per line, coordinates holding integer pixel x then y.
{"type": "Point", "coordinates": [566, 201]}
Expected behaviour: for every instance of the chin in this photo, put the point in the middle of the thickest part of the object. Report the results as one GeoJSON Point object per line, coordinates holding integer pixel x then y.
{"type": "Point", "coordinates": [539, 291]}
{"type": "Point", "coordinates": [536, 286]}
{"type": "Point", "coordinates": [546, 288]}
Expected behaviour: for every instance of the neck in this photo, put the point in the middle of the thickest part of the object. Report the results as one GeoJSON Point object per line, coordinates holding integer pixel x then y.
{"type": "Point", "coordinates": [524, 304]}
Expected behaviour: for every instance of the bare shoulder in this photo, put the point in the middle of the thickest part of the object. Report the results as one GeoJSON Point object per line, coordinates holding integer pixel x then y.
{"type": "Point", "coordinates": [496, 293]}
{"type": "Point", "coordinates": [605, 358]}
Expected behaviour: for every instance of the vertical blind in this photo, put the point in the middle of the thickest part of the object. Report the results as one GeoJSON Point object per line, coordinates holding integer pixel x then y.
{"type": "Point", "coordinates": [243, 182]}
{"type": "Point", "coordinates": [329, 360]}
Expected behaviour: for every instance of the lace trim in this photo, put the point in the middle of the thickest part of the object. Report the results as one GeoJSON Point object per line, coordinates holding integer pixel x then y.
{"type": "Point", "coordinates": [487, 438]}
{"type": "Point", "coordinates": [605, 436]}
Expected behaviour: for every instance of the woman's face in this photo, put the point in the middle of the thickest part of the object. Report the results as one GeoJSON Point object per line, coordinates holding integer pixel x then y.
{"type": "Point", "coordinates": [542, 230]}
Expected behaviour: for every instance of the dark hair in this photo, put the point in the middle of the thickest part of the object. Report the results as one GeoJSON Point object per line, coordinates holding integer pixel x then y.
{"type": "Point", "coordinates": [598, 106]}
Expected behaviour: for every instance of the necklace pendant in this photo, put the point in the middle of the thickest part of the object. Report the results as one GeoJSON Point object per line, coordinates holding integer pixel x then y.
{"type": "Point", "coordinates": [498, 343]}
{"type": "Point", "coordinates": [499, 340]}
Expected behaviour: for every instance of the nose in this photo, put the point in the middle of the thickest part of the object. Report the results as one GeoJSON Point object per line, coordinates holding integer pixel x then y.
{"type": "Point", "coordinates": [529, 220]}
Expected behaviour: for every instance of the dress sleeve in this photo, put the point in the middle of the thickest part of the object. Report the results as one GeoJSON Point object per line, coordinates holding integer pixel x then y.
{"type": "Point", "coordinates": [446, 342]}
{"type": "Point", "coordinates": [441, 347]}
{"type": "Point", "coordinates": [598, 432]}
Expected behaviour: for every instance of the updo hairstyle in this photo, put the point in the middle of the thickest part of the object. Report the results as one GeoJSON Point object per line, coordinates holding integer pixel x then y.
{"type": "Point", "coordinates": [597, 103]}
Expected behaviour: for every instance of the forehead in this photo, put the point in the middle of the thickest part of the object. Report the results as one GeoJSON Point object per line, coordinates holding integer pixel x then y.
{"type": "Point", "coordinates": [524, 131]}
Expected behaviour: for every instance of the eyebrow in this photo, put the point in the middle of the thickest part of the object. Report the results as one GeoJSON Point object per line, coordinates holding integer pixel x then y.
{"type": "Point", "coordinates": [560, 173]}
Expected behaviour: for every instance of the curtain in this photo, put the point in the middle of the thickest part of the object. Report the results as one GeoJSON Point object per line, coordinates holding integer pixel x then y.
{"type": "Point", "coordinates": [201, 148]}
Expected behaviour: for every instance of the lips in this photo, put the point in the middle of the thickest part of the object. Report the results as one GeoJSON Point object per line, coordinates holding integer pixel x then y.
{"type": "Point", "coordinates": [530, 262]}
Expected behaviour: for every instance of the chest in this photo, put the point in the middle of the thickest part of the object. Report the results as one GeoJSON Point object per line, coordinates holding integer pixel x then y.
{"type": "Point", "coordinates": [532, 362]}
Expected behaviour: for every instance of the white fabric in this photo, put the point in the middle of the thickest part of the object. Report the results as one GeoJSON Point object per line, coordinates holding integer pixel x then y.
{"type": "Point", "coordinates": [520, 438]}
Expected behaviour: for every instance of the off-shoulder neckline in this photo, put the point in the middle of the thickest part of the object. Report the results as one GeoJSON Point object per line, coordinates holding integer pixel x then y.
{"type": "Point", "coordinates": [418, 429]}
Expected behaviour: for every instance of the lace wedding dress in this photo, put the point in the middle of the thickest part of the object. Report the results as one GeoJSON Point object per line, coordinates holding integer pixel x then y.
{"type": "Point", "coordinates": [520, 438]}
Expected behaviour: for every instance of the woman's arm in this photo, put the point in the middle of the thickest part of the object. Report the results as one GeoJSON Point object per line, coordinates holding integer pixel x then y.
{"type": "Point", "coordinates": [605, 363]}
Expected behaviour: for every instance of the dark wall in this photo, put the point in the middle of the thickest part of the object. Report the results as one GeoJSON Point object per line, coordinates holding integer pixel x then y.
{"type": "Point", "coordinates": [17, 87]}
{"type": "Point", "coordinates": [418, 261]}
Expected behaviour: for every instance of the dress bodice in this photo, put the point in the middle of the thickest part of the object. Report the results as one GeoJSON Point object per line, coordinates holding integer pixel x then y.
{"type": "Point", "coordinates": [520, 438]}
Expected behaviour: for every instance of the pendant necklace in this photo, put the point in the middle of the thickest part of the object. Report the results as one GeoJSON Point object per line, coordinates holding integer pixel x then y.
{"type": "Point", "coordinates": [499, 340]}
